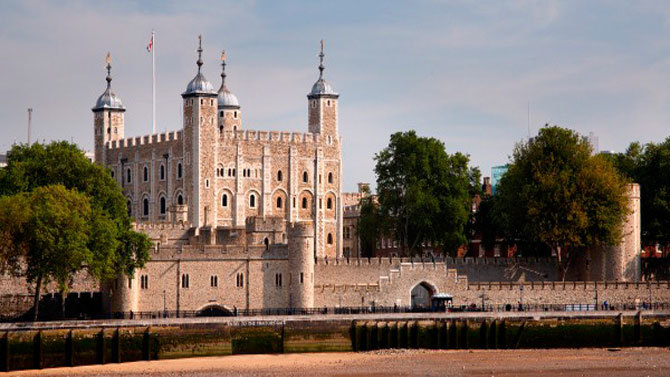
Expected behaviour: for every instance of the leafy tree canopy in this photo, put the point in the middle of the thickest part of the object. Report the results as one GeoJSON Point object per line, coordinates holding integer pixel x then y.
{"type": "Point", "coordinates": [50, 228]}
{"type": "Point", "coordinates": [649, 165]}
{"type": "Point", "coordinates": [117, 248]}
{"type": "Point", "coordinates": [423, 192]}
{"type": "Point", "coordinates": [556, 193]}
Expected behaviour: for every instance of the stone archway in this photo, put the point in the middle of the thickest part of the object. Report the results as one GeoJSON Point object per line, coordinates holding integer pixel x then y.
{"type": "Point", "coordinates": [213, 310]}
{"type": "Point", "coordinates": [421, 294]}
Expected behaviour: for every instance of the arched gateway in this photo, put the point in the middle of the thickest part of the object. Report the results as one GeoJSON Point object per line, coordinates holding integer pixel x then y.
{"type": "Point", "coordinates": [421, 295]}
{"type": "Point", "coordinates": [214, 310]}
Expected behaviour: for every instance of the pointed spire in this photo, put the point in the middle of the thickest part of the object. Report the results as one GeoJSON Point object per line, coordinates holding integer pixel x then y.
{"type": "Point", "coordinates": [109, 70]}
{"type": "Point", "coordinates": [223, 69]}
{"type": "Point", "coordinates": [321, 66]}
{"type": "Point", "coordinates": [199, 62]}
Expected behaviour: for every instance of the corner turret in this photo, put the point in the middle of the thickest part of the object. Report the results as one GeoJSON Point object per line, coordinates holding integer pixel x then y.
{"type": "Point", "coordinates": [230, 116]}
{"type": "Point", "coordinates": [322, 105]}
{"type": "Point", "coordinates": [108, 122]}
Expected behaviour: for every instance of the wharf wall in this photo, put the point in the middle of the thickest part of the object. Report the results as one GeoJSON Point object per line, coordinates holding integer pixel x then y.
{"type": "Point", "coordinates": [30, 347]}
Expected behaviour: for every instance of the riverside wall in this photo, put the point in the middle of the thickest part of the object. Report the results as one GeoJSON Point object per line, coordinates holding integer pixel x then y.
{"type": "Point", "coordinates": [45, 345]}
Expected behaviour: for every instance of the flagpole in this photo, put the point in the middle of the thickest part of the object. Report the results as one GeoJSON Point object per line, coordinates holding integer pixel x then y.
{"type": "Point", "coordinates": [153, 83]}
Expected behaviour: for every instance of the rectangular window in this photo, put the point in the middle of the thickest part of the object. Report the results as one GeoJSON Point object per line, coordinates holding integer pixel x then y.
{"type": "Point", "coordinates": [302, 277]}
{"type": "Point", "coordinates": [214, 281]}
{"type": "Point", "coordinates": [184, 281]}
{"type": "Point", "coordinates": [144, 282]}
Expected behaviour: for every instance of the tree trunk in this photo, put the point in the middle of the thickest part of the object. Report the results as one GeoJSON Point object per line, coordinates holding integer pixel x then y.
{"type": "Point", "coordinates": [36, 303]}
{"type": "Point", "coordinates": [62, 304]}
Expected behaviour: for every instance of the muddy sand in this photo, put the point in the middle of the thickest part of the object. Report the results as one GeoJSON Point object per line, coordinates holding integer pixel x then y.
{"type": "Point", "coordinates": [558, 362]}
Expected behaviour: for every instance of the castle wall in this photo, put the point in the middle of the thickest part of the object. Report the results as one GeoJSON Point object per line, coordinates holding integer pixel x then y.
{"type": "Point", "coordinates": [394, 288]}
{"type": "Point", "coordinates": [154, 152]}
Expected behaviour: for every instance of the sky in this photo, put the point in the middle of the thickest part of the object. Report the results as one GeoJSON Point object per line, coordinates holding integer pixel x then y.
{"type": "Point", "coordinates": [478, 75]}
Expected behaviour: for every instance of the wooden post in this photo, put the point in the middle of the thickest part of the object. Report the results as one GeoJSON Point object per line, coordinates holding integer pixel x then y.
{"type": "Point", "coordinates": [101, 346]}
{"type": "Point", "coordinates": [116, 346]}
{"type": "Point", "coordinates": [37, 350]}
{"type": "Point", "coordinates": [69, 349]}
{"type": "Point", "coordinates": [147, 344]}
{"type": "Point", "coordinates": [4, 348]}
{"type": "Point", "coordinates": [637, 328]}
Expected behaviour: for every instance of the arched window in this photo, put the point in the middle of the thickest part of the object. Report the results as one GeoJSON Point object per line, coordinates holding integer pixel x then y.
{"type": "Point", "coordinates": [112, 173]}
{"type": "Point", "coordinates": [162, 205]}
{"type": "Point", "coordinates": [304, 202]}
{"type": "Point", "coordinates": [221, 113]}
{"type": "Point", "coordinates": [129, 176]}
{"type": "Point", "coordinates": [329, 203]}
{"type": "Point", "coordinates": [179, 170]}
{"type": "Point", "coordinates": [162, 172]}
{"type": "Point", "coordinates": [279, 202]}
{"type": "Point", "coordinates": [221, 127]}
{"type": "Point", "coordinates": [330, 177]}
{"type": "Point", "coordinates": [180, 199]}
{"type": "Point", "coordinates": [252, 201]}
{"type": "Point", "coordinates": [279, 175]}
{"type": "Point", "coordinates": [330, 238]}
{"type": "Point", "coordinates": [266, 242]}
{"type": "Point", "coordinates": [224, 200]}
{"type": "Point", "coordinates": [304, 176]}
{"type": "Point", "coordinates": [146, 174]}
{"type": "Point", "coordinates": [129, 207]}
{"type": "Point", "coordinates": [145, 207]}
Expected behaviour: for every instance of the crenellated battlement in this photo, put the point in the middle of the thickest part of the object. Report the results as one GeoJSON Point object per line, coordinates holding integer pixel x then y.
{"type": "Point", "coordinates": [388, 261]}
{"type": "Point", "coordinates": [272, 136]}
{"type": "Point", "coordinates": [159, 226]}
{"type": "Point", "coordinates": [343, 288]}
{"type": "Point", "coordinates": [137, 141]}
{"type": "Point", "coordinates": [590, 286]}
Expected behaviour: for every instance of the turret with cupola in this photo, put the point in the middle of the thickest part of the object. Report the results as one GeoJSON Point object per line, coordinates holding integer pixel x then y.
{"type": "Point", "coordinates": [322, 106]}
{"type": "Point", "coordinates": [108, 119]}
{"type": "Point", "coordinates": [229, 116]}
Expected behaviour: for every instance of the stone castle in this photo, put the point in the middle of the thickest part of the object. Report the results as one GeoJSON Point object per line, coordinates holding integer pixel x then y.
{"type": "Point", "coordinates": [254, 219]}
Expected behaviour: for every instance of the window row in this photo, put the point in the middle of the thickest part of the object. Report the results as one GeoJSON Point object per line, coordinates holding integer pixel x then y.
{"type": "Point", "coordinates": [146, 176]}
{"type": "Point", "coordinates": [305, 177]}
{"type": "Point", "coordinates": [231, 172]}
{"type": "Point", "coordinates": [162, 205]}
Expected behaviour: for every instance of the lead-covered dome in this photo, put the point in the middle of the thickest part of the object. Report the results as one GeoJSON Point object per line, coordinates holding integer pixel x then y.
{"type": "Point", "coordinates": [226, 99]}
{"type": "Point", "coordinates": [108, 100]}
{"type": "Point", "coordinates": [322, 87]}
{"type": "Point", "coordinates": [199, 84]}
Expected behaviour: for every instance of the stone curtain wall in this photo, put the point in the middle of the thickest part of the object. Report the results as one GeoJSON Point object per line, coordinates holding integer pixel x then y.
{"type": "Point", "coordinates": [355, 285]}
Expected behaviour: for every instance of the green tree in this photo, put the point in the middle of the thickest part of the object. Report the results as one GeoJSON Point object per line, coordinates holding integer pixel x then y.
{"type": "Point", "coordinates": [51, 233]}
{"type": "Point", "coordinates": [423, 192]}
{"type": "Point", "coordinates": [369, 227]}
{"type": "Point", "coordinates": [556, 193]}
{"type": "Point", "coordinates": [116, 248]}
{"type": "Point", "coordinates": [649, 165]}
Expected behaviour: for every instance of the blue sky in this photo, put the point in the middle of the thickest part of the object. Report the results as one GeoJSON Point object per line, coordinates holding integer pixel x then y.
{"type": "Point", "coordinates": [460, 71]}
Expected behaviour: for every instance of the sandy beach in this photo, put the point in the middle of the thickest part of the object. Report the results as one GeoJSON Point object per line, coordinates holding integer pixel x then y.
{"type": "Point", "coordinates": [557, 362]}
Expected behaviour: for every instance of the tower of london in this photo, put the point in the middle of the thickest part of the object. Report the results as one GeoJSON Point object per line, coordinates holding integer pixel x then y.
{"type": "Point", "coordinates": [249, 219]}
